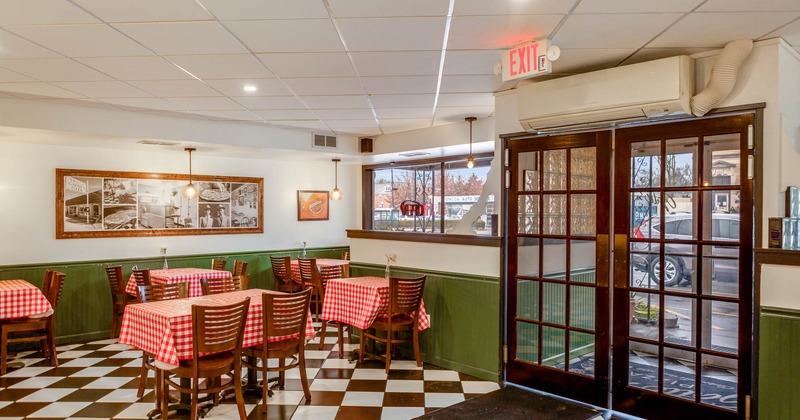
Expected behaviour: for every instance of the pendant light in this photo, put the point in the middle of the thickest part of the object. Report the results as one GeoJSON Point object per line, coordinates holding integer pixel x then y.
{"type": "Point", "coordinates": [190, 191]}
{"type": "Point", "coordinates": [470, 159]}
{"type": "Point", "coordinates": [336, 194]}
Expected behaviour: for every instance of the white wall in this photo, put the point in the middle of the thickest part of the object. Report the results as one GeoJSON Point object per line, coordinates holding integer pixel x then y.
{"type": "Point", "coordinates": [27, 201]}
{"type": "Point", "coordinates": [779, 286]}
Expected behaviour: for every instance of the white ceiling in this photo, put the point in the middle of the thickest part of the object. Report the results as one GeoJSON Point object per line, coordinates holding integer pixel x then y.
{"type": "Point", "coordinates": [359, 67]}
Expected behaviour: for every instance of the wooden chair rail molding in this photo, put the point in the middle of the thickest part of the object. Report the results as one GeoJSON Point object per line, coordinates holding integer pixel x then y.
{"type": "Point", "coordinates": [777, 256]}
{"type": "Point", "coordinates": [438, 238]}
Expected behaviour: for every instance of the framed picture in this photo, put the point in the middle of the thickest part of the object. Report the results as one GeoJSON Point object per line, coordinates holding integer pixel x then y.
{"type": "Point", "coordinates": [97, 204]}
{"type": "Point", "coordinates": [312, 205]}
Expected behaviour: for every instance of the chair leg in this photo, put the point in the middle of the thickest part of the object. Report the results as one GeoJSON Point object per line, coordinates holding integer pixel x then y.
{"type": "Point", "coordinates": [142, 376]}
{"type": "Point", "coordinates": [322, 333]}
{"type": "Point", "coordinates": [51, 339]}
{"type": "Point", "coordinates": [281, 373]}
{"type": "Point", "coordinates": [162, 377]}
{"type": "Point", "coordinates": [388, 349]}
{"type": "Point", "coordinates": [361, 339]}
{"type": "Point", "coordinates": [341, 339]}
{"type": "Point", "coordinates": [113, 323]}
{"type": "Point", "coordinates": [193, 414]}
{"type": "Point", "coordinates": [3, 351]}
{"type": "Point", "coordinates": [301, 362]}
{"type": "Point", "coordinates": [416, 348]}
{"type": "Point", "coordinates": [237, 389]}
{"type": "Point", "coordinates": [264, 388]}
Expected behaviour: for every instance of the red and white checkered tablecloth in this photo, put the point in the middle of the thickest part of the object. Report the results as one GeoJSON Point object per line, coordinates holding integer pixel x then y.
{"type": "Point", "coordinates": [328, 269]}
{"type": "Point", "coordinates": [177, 275]}
{"type": "Point", "coordinates": [164, 328]}
{"type": "Point", "coordinates": [19, 299]}
{"type": "Point", "coordinates": [357, 301]}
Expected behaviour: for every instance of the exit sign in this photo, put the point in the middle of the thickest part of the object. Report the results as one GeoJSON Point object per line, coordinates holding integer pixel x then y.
{"type": "Point", "coordinates": [527, 60]}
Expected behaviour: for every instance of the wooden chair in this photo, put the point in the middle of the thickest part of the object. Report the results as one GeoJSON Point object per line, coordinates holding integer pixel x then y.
{"type": "Point", "coordinates": [218, 264]}
{"type": "Point", "coordinates": [405, 297]}
{"type": "Point", "coordinates": [217, 332]}
{"type": "Point", "coordinates": [119, 298]}
{"type": "Point", "coordinates": [241, 282]}
{"type": "Point", "coordinates": [223, 285]}
{"type": "Point", "coordinates": [34, 329]}
{"type": "Point", "coordinates": [310, 274]}
{"type": "Point", "coordinates": [282, 271]}
{"type": "Point", "coordinates": [346, 255]}
{"type": "Point", "coordinates": [284, 315]}
{"type": "Point", "coordinates": [239, 268]}
{"type": "Point", "coordinates": [142, 277]}
{"type": "Point", "coordinates": [152, 293]}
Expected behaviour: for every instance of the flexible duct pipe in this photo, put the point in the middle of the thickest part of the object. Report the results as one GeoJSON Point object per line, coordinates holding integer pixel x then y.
{"type": "Point", "coordinates": [723, 76]}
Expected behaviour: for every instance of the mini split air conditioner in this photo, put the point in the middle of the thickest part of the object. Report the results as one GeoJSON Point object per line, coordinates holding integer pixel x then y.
{"type": "Point", "coordinates": [654, 89]}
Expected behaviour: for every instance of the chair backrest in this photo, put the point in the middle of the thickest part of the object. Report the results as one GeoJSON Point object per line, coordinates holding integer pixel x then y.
{"type": "Point", "coordinates": [286, 314]}
{"type": "Point", "coordinates": [218, 264]}
{"type": "Point", "coordinates": [346, 255]}
{"type": "Point", "coordinates": [309, 272]}
{"type": "Point", "coordinates": [281, 267]}
{"type": "Point", "coordinates": [142, 277]}
{"type": "Point", "coordinates": [405, 295]}
{"type": "Point", "coordinates": [48, 274]}
{"type": "Point", "coordinates": [214, 286]}
{"type": "Point", "coordinates": [156, 292]}
{"type": "Point", "coordinates": [239, 268]}
{"type": "Point", "coordinates": [116, 283]}
{"type": "Point", "coordinates": [53, 288]}
{"type": "Point", "coordinates": [241, 282]}
{"type": "Point", "coordinates": [218, 328]}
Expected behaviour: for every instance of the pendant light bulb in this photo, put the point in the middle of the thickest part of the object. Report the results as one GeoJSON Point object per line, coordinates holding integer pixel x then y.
{"type": "Point", "coordinates": [190, 190]}
{"type": "Point", "coordinates": [470, 159]}
{"type": "Point", "coordinates": [336, 193]}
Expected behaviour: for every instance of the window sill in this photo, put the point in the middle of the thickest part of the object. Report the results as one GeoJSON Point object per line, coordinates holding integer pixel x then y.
{"type": "Point", "coordinates": [437, 238]}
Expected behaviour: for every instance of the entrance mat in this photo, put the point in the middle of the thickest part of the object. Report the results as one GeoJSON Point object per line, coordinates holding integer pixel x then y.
{"type": "Point", "coordinates": [511, 403]}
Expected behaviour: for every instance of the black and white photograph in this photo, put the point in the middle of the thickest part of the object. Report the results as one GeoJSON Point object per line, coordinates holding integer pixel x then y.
{"type": "Point", "coordinates": [119, 191]}
{"type": "Point", "coordinates": [83, 204]}
{"type": "Point", "coordinates": [244, 205]}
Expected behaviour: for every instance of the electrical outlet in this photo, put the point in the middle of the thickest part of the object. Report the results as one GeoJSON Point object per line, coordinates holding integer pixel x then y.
{"type": "Point", "coordinates": [164, 251]}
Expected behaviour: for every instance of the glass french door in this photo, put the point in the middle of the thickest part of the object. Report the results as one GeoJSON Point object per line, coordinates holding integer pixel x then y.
{"type": "Point", "coordinates": [683, 278]}
{"type": "Point", "coordinates": [558, 294]}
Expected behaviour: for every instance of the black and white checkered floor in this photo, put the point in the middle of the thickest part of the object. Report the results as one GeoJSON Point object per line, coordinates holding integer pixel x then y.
{"type": "Point", "coordinates": [98, 380]}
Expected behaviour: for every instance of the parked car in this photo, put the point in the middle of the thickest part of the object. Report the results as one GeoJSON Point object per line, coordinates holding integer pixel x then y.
{"type": "Point", "coordinates": [677, 268]}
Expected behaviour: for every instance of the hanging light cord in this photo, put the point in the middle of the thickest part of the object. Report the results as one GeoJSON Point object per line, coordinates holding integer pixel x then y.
{"type": "Point", "coordinates": [470, 140]}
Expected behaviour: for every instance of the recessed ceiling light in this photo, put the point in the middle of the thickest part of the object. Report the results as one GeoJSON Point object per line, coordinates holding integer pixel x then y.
{"type": "Point", "coordinates": [250, 88]}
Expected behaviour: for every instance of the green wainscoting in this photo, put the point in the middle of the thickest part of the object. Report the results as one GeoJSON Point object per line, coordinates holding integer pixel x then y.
{"type": "Point", "coordinates": [779, 364]}
{"type": "Point", "coordinates": [465, 319]}
{"type": "Point", "coordinates": [84, 311]}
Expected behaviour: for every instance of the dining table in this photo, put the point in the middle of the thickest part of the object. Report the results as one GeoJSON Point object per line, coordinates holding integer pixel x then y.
{"type": "Point", "coordinates": [328, 267]}
{"type": "Point", "coordinates": [21, 299]}
{"type": "Point", "coordinates": [178, 275]}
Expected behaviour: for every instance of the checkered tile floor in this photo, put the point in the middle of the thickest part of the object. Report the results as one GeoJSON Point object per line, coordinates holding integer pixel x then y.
{"type": "Point", "coordinates": [98, 380]}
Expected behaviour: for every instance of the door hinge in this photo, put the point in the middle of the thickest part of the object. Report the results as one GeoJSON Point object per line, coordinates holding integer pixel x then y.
{"type": "Point", "coordinates": [751, 161]}
{"type": "Point", "coordinates": [747, 402]}
{"type": "Point", "coordinates": [751, 143]}
{"type": "Point", "coordinates": [508, 178]}
{"type": "Point", "coordinates": [507, 161]}
{"type": "Point", "coordinates": [505, 354]}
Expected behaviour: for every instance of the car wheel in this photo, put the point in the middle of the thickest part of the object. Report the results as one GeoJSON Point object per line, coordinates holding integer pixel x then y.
{"type": "Point", "coordinates": [673, 271]}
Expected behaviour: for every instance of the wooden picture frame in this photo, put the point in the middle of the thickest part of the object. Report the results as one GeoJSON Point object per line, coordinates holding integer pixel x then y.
{"type": "Point", "coordinates": [313, 205]}
{"type": "Point", "coordinates": [104, 204]}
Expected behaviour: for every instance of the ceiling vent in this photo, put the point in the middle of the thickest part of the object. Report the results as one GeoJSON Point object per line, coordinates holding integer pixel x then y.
{"type": "Point", "coordinates": [157, 143]}
{"type": "Point", "coordinates": [413, 154]}
{"type": "Point", "coordinates": [324, 141]}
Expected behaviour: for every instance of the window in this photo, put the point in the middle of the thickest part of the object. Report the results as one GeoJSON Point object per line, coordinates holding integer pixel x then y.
{"type": "Point", "coordinates": [441, 191]}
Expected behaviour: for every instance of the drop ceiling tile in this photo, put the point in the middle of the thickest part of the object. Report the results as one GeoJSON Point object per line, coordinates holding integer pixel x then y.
{"type": "Point", "coordinates": [466, 99]}
{"type": "Point", "coordinates": [372, 8]}
{"type": "Point", "coordinates": [603, 31]}
{"type": "Point", "coordinates": [403, 101]}
{"type": "Point", "coordinates": [265, 36]}
{"type": "Point", "coordinates": [38, 88]}
{"type": "Point", "coordinates": [84, 102]}
{"type": "Point", "coordinates": [16, 47]}
{"type": "Point", "coordinates": [343, 124]}
{"type": "Point", "coordinates": [53, 70]}
{"type": "Point", "coordinates": [235, 87]}
{"type": "Point", "coordinates": [143, 103]}
{"type": "Point", "coordinates": [325, 86]}
{"type": "Point", "coordinates": [395, 126]}
{"type": "Point", "coordinates": [308, 64]}
{"type": "Point", "coordinates": [107, 89]}
{"type": "Point", "coordinates": [473, 84]}
{"type": "Point", "coordinates": [359, 131]}
{"type": "Point", "coordinates": [269, 102]}
{"type": "Point", "coordinates": [344, 114]}
{"type": "Point", "coordinates": [136, 68]}
{"type": "Point", "coordinates": [403, 113]}
{"type": "Point", "coordinates": [145, 10]}
{"type": "Point", "coordinates": [499, 32]}
{"type": "Point", "coordinates": [177, 38]}
{"type": "Point", "coordinates": [228, 115]}
{"type": "Point", "coordinates": [336, 101]}
{"type": "Point", "coordinates": [393, 34]}
{"type": "Point", "coordinates": [397, 63]}
{"type": "Point", "coordinates": [790, 33]}
{"type": "Point", "coordinates": [649, 54]}
{"type": "Point", "coordinates": [221, 66]}
{"type": "Point", "coordinates": [7, 76]}
{"type": "Point", "coordinates": [458, 113]}
{"type": "Point", "coordinates": [717, 29]}
{"type": "Point", "coordinates": [273, 9]}
{"type": "Point", "coordinates": [175, 88]}
{"type": "Point", "coordinates": [213, 103]}
{"type": "Point", "coordinates": [399, 84]}
{"type": "Point", "coordinates": [487, 8]}
{"type": "Point", "coordinates": [41, 12]}
{"type": "Point", "coordinates": [636, 6]}
{"type": "Point", "coordinates": [471, 62]}
{"type": "Point", "coordinates": [750, 6]}
{"type": "Point", "coordinates": [286, 114]}
{"type": "Point", "coordinates": [309, 124]}
{"type": "Point", "coordinates": [95, 40]}
{"type": "Point", "coordinates": [583, 60]}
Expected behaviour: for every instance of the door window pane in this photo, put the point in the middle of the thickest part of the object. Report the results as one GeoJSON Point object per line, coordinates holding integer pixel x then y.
{"type": "Point", "coordinates": [554, 297]}
{"type": "Point", "coordinates": [645, 315]}
{"type": "Point", "coordinates": [646, 164]}
{"type": "Point", "coordinates": [722, 162]}
{"type": "Point", "coordinates": [718, 380]}
{"type": "Point", "coordinates": [582, 261]}
{"type": "Point", "coordinates": [721, 326]}
{"type": "Point", "coordinates": [721, 270]}
{"type": "Point", "coordinates": [528, 299]}
{"type": "Point", "coordinates": [720, 222]}
{"type": "Point", "coordinates": [581, 353]}
{"type": "Point", "coordinates": [529, 171]}
{"type": "Point", "coordinates": [581, 307]}
{"type": "Point", "coordinates": [555, 258]}
{"type": "Point", "coordinates": [583, 208]}
{"type": "Point", "coordinates": [555, 212]}
{"type": "Point", "coordinates": [529, 214]}
{"type": "Point", "coordinates": [680, 208]}
{"type": "Point", "coordinates": [555, 170]}
{"type": "Point", "coordinates": [679, 316]}
{"type": "Point", "coordinates": [680, 166]}
{"type": "Point", "coordinates": [679, 374]}
{"type": "Point", "coordinates": [553, 347]}
{"type": "Point", "coordinates": [528, 257]}
{"type": "Point", "coordinates": [527, 342]}
{"type": "Point", "coordinates": [645, 222]}
{"type": "Point", "coordinates": [643, 366]}
{"type": "Point", "coordinates": [583, 168]}
{"type": "Point", "coordinates": [640, 260]}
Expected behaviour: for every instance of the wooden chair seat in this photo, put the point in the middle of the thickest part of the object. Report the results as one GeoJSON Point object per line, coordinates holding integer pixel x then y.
{"type": "Point", "coordinates": [282, 272]}
{"type": "Point", "coordinates": [214, 364]}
